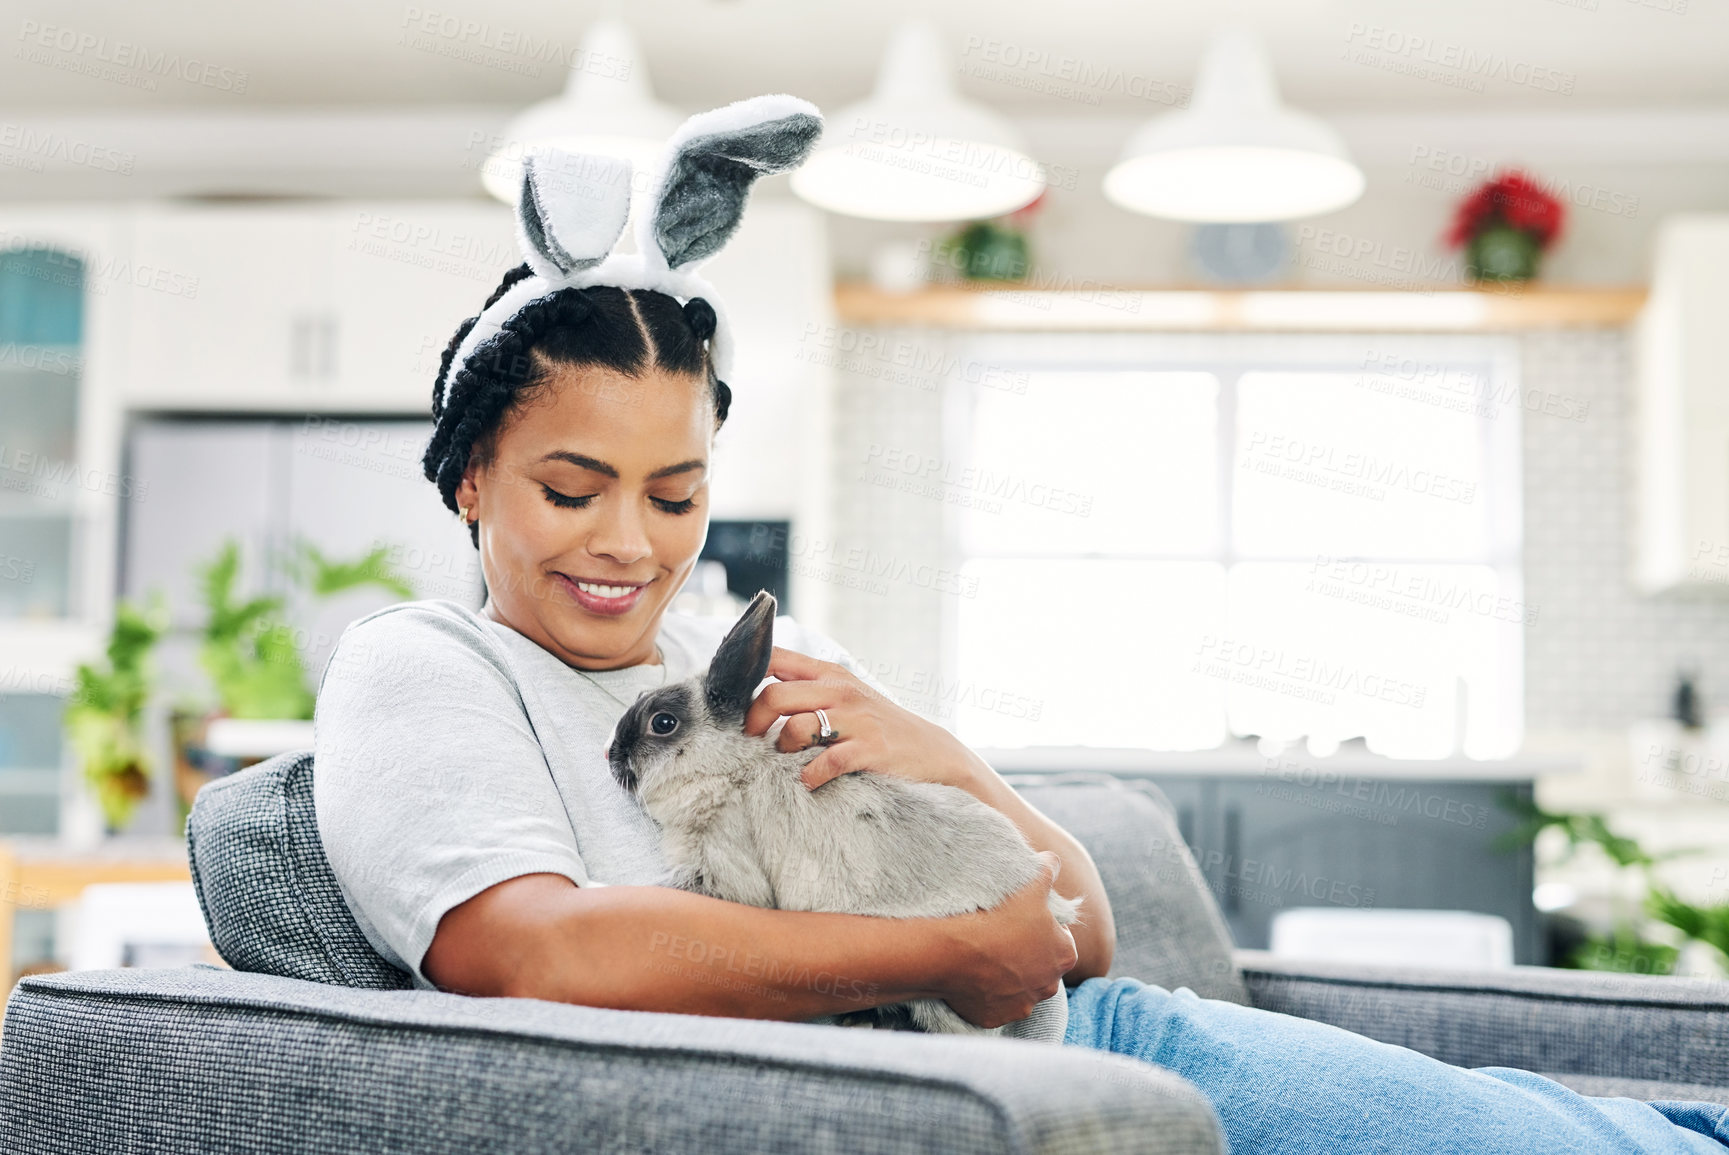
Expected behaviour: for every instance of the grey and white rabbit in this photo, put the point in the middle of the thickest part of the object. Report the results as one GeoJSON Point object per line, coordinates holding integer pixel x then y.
{"type": "Point", "coordinates": [737, 823]}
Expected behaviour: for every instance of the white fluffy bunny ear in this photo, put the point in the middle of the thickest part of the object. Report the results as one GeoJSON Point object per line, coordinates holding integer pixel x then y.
{"type": "Point", "coordinates": [697, 199]}
{"type": "Point", "coordinates": [571, 210]}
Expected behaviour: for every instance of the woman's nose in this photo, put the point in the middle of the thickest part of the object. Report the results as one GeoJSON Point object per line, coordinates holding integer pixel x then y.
{"type": "Point", "coordinates": [620, 535]}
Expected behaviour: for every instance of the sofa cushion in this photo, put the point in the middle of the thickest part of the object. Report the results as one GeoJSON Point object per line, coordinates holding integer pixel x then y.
{"type": "Point", "coordinates": [1169, 930]}
{"type": "Point", "coordinates": [273, 906]}
{"type": "Point", "coordinates": [270, 900]}
{"type": "Point", "coordinates": [198, 1059]}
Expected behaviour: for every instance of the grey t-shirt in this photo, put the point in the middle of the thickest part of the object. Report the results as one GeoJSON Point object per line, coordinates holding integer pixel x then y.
{"type": "Point", "coordinates": [454, 753]}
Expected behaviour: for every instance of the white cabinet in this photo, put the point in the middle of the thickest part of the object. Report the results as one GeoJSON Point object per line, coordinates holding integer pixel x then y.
{"type": "Point", "coordinates": [342, 306]}
{"type": "Point", "coordinates": [1681, 410]}
{"type": "Point", "coordinates": [244, 297]}
{"type": "Point", "coordinates": [406, 275]}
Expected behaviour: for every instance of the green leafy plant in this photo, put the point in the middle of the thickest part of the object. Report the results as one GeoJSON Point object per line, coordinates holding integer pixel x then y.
{"type": "Point", "coordinates": [1626, 947]}
{"type": "Point", "coordinates": [103, 718]}
{"type": "Point", "coordinates": [993, 250]}
{"type": "Point", "coordinates": [249, 653]}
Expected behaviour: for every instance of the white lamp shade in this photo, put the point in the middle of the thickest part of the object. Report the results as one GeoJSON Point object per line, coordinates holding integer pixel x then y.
{"type": "Point", "coordinates": [607, 107]}
{"type": "Point", "coordinates": [1236, 154]}
{"type": "Point", "coordinates": [914, 150]}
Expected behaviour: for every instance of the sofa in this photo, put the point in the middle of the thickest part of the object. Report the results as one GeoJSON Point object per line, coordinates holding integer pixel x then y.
{"type": "Point", "coordinates": [311, 1042]}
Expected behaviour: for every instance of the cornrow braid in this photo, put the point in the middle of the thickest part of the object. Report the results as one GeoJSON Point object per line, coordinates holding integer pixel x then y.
{"type": "Point", "coordinates": [629, 331]}
{"type": "Point", "coordinates": [510, 278]}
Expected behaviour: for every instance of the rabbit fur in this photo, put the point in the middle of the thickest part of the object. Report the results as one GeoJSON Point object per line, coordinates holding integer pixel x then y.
{"type": "Point", "coordinates": [738, 824]}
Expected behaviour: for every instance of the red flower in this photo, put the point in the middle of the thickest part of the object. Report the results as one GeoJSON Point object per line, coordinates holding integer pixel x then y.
{"type": "Point", "coordinates": [1513, 200]}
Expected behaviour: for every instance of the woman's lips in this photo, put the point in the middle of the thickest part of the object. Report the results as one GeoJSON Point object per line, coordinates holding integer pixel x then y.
{"type": "Point", "coordinates": [603, 597]}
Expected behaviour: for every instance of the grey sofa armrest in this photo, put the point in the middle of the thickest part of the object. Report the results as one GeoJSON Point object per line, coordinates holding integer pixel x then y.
{"type": "Point", "coordinates": [1619, 1034]}
{"type": "Point", "coordinates": [200, 1059]}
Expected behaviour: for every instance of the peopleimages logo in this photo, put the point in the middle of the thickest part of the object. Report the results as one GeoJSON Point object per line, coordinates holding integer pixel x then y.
{"type": "Point", "coordinates": [89, 53]}
{"type": "Point", "coordinates": [1274, 668]}
{"type": "Point", "coordinates": [1459, 65]}
{"type": "Point", "coordinates": [1349, 471]}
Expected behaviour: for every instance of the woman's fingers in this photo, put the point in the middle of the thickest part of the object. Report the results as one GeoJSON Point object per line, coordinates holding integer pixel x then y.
{"type": "Point", "coordinates": [799, 732]}
{"type": "Point", "coordinates": [830, 764]}
{"type": "Point", "coordinates": [784, 699]}
{"type": "Point", "coordinates": [792, 666]}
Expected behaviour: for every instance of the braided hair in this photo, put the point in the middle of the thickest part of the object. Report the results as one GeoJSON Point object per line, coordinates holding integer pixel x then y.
{"type": "Point", "coordinates": [629, 331]}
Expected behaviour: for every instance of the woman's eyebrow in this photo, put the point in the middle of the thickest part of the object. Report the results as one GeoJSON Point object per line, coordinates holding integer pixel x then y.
{"type": "Point", "coordinates": [581, 460]}
{"type": "Point", "coordinates": [601, 467]}
{"type": "Point", "coordinates": [681, 467]}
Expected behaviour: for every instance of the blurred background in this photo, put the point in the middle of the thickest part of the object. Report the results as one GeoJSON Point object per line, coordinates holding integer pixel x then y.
{"type": "Point", "coordinates": [1315, 407]}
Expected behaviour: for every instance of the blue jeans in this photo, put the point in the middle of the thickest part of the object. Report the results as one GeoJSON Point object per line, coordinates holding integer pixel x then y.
{"type": "Point", "coordinates": [1281, 1084]}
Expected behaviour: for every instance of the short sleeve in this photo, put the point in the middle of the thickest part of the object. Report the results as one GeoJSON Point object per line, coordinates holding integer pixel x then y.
{"type": "Point", "coordinates": [429, 783]}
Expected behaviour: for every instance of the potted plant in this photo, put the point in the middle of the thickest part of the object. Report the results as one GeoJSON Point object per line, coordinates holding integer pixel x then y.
{"type": "Point", "coordinates": [250, 653]}
{"type": "Point", "coordinates": [993, 250]}
{"type": "Point", "coordinates": [1649, 938]}
{"type": "Point", "coordinates": [1505, 228]}
{"type": "Point", "coordinates": [103, 719]}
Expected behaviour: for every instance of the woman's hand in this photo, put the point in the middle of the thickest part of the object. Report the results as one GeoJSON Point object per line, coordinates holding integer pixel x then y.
{"type": "Point", "coordinates": [873, 732]}
{"type": "Point", "coordinates": [1010, 958]}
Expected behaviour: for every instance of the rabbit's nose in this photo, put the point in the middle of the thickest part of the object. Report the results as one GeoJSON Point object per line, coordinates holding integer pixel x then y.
{"type": "Point", "coordinates": [609, 751]}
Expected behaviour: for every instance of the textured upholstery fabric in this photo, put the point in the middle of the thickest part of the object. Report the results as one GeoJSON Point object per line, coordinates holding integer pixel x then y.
{"type": "Point", "coordinates": [1578, 1023]}
{"type": "Point", "coordinates": [1169, 931]}
{"type": "Point", "coordinates": [269, 898]}
{"type": "Point", "coordinates": [1644, 1090]}
{"type": "Point", "coordinates": [200, 1059]}
{"type": "Point", "coordinates": [273, 906]}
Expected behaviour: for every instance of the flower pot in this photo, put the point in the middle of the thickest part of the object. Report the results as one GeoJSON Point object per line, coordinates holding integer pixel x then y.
{"type": "Point", "coordinates": [1503, 254]}
{"type": "Point", "coordinates": [189, 773]}
{"type": "Point", "coordinates": [986, 252]}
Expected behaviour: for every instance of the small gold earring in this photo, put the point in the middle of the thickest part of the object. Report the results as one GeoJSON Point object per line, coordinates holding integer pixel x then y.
{"type": "Point", "coordinates": [462, 514]}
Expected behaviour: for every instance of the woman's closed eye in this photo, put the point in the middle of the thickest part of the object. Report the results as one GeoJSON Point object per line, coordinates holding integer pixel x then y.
{"type": "Point", "coordinates": [566, 501]}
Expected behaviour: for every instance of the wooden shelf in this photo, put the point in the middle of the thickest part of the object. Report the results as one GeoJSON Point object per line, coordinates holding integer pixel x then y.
{"type": "Point", "coordinates": [43, 873]}
{"type": "Point", "coordinates": [1008, 309]}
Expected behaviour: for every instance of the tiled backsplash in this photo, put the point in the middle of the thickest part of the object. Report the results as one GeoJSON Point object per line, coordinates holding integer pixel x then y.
{"type": "Point", "coordinates": [1601, 655]}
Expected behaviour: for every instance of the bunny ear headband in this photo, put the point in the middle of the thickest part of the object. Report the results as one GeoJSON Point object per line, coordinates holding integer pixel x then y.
{"type": "Point", "coordinates": [573, 206]}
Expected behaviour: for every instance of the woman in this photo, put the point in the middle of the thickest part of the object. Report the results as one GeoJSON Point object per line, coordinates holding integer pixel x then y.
{"type": "Point", "coordinates": [468, 812]}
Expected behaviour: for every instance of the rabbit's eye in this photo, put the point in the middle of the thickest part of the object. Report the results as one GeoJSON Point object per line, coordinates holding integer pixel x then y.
{"type": "Point", "coordinates": [663, 723]}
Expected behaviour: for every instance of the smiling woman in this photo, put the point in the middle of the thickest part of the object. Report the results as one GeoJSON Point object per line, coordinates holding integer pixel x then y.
{"type": "Point", "coordinates": [463, 793]}
{"type": "Point", "coordinates": [581, 514]}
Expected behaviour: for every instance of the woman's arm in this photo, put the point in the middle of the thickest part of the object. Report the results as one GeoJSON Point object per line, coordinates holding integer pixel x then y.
{"type": "Point", "coordinates": [1096, 931]}
{"type": "Point", "coordinates": [658, 949]}
{"type": "Point", "coordinates": [878, 734]}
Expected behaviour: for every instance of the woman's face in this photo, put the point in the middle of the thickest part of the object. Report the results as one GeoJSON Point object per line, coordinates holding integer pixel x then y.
{"type": "Point", "coordinates": [593, 509]}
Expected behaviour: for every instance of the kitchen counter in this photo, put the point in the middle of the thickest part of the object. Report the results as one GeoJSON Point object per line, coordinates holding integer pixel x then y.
{"type": "Point", "coordinates": [1246, 762]}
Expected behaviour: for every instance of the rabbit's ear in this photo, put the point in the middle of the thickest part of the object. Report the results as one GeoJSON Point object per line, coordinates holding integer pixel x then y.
{"type": "Point", "coordinates": [711, 162]}
{"type": "Point", "coordinates": [571, 210]}
{"type": "Point", "coordinates": [741, 662]}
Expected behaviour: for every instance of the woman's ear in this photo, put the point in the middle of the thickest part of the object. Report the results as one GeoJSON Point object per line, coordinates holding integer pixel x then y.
{"type": "Point", "coordinates": [467, 492]}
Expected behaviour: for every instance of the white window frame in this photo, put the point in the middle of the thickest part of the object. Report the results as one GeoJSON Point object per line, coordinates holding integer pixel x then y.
{"type": "Point", "coordinates": [1003, 358]}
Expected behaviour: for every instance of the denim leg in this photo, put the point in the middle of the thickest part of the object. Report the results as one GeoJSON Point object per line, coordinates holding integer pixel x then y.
{"type": "Point", "coordinates": [1282, 1085]}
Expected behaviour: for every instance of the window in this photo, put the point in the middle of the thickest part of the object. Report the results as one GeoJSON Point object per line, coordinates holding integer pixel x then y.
{"type": "Point", "coordinates": [1174, 542]}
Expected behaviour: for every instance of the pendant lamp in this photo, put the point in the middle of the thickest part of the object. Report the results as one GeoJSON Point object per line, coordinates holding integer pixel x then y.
{"type": "Point", "coordinates": [915, 150]}
{"type": "Point", "coordinates": [606, 107]}
{"type": "Point", "coordinates": [1236, 154]}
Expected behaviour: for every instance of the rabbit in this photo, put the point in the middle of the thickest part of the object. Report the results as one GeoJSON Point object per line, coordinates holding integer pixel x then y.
{"type": "Point", "coordinates": [738, 824]}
